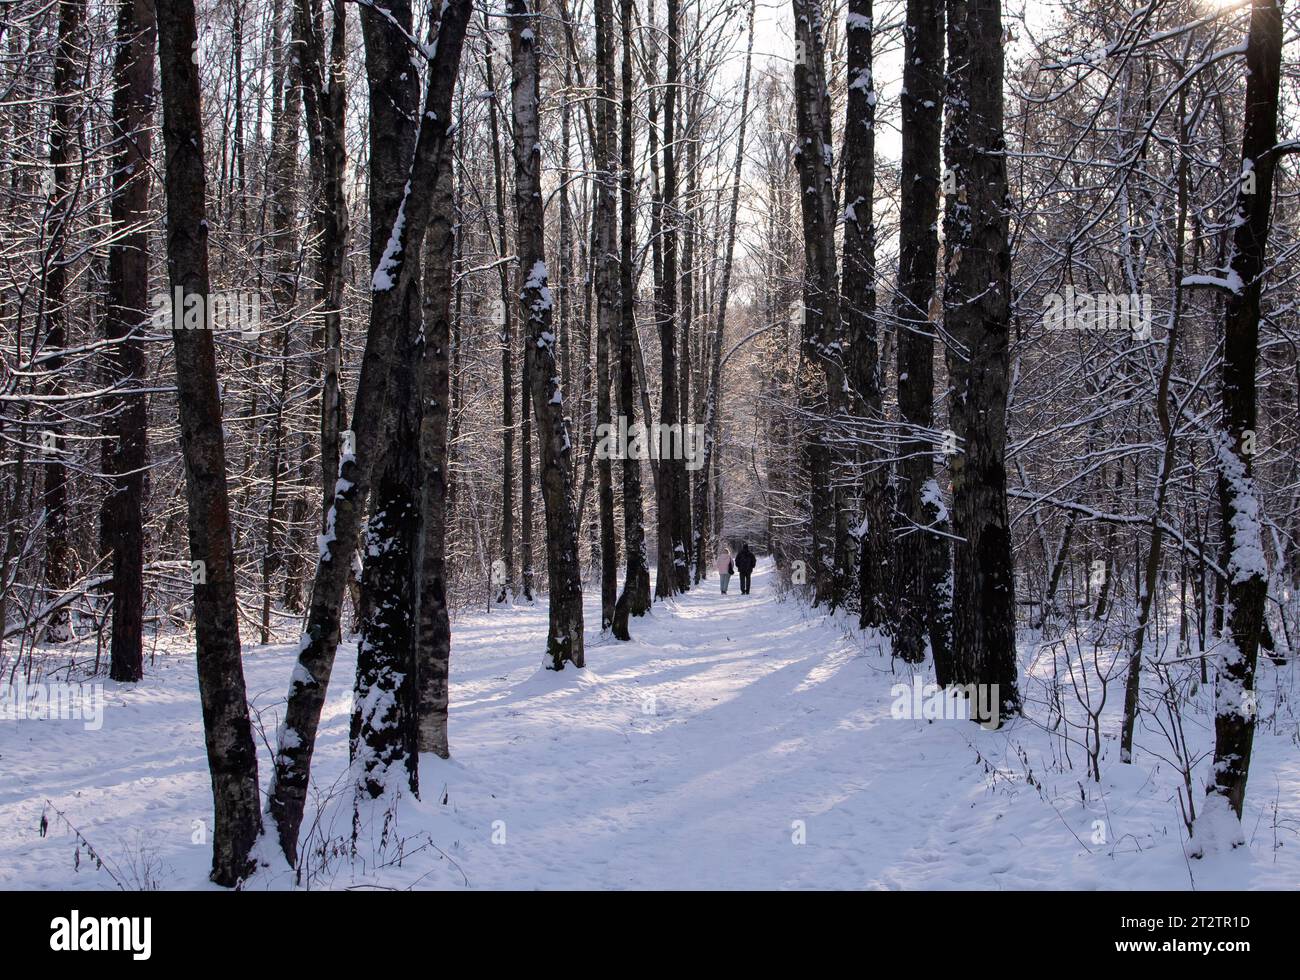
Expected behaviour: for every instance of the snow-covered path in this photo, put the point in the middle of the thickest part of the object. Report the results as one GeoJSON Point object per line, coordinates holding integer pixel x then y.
{"type": "Point", "coordinates": [696, 754]}
{"type": "Point", "coordinates": [736, 742]}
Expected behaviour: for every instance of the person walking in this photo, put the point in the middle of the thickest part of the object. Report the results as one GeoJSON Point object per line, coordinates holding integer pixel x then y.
{"type": "Point", "coordinates": [725, 568]}
{"type": "Point", "coordinates": [745, 562]}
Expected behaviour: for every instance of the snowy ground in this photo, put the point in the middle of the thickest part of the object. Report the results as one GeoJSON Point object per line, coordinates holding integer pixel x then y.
{"type": "Point", "coordinates": [737, 742]}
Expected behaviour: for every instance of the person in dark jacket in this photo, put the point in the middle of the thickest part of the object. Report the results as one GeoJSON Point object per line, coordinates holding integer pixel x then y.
{"type": "Point", "coordinates": [745, 562]}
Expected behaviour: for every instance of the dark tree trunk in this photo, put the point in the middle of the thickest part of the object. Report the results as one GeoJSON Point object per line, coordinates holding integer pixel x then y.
{"type": "Point", "coordinates": [858, 308]}
{"type": "Point", "coordinates": [922, 550]}
{"type": "Point", "coordinates": [526, 447]}
{"type": "Point", "coordinates": [635, 599]}
{"type": "Point", "coordinates": [394, 104]}
{"type": "Point", "coordinates": [282, 180]}
{"type": "Point", "coordinates": [564, 643]}
{"type": "Point", "coordinates": [564, 319]}
{"type": "Point", "coordinates": [126, 317]}
{"type": "Point", "coordinates": [670, 569]}
{"type": "Point", "coordinates": [713, 396]}
{"type": "Point", "coordinates": [324, 103]}
{"type": "Point", "coordinates": [976, 320]}
{"type": "Point", "coordinates": [822, 328]}
{"type": "Point", "coordinates": [232, 757]}
{"type": "Point", "coordinates": [60, 559]}
{"type": "Point", "coordinates": [607, 293]}
{"type": "Point", "coordinates": [687, 329]}
{"type": "Point", "coordinates": [385, 700]}
{"type": "Point", "coordinates": [400, 695]}
{"type": "Point", "coordinates": [1234, 718]}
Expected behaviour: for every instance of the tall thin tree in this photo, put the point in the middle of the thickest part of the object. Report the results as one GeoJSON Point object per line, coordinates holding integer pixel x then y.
{"type": "Point", "coordinates": [923, 562]}
{"type": "Point", "coordinates": [232, 758]}
{"type": "Point", "coordinates": [608, 303]}
{"type": "Point", "coordinates": [977, 312]}
{"type": "Point", "coordinates": [394, 103]}
{"type": "Point", "coordinates": [822, 390]}
{"type": "Point", "coordinates": [1234, 714]}
{"type": "Point", "coordinates": [635, 598]}
{"type": "Point", "coordinates": [125, 320]}
{"type": "Point", "coordinates": [564, 644]}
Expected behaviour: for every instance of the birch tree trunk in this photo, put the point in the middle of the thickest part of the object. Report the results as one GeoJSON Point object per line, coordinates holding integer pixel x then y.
{"type": "Point", "coordinates": [564, 643]}
{"type": "Point", "coordinates": [433, 650]}
{"type": "Point", "coordinates": [505, 317]}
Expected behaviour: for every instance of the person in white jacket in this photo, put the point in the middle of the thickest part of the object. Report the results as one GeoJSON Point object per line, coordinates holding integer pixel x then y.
{"type": "Point", "coordinates": [725, 568]}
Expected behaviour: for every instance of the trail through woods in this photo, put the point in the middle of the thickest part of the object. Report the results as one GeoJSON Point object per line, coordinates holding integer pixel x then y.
{"type": "Point", "coordinates": [696, 756]}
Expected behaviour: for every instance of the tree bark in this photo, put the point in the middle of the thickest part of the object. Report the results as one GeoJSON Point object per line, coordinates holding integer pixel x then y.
{"type": "Point", "coordinates": [564, 643]}
{"type": "Point", "coordinates": [60, 558]}
{"type": "Point", "coordinates": [607, 293]}
{"type": "Point", "coordinates": [282, 181]}
{"type": "Point", "coordinates": [1234, 717]}
{"type": "Point", "coordinates": [324, 104]}
{"type": "Point", "coordinates": [976, 319]}
{"type": "Point", "coordinates": [820, 401]}
{"type": "Point", "coordinates": [505, 581]}
{"type": "Point", "coordinates": [232, 757]}
{"type": "Point", "coordinates": [858, 308]}
{"type": "Point", "coordinates": [126, 317]}
{"type": "Point", "coordinates": [433, 650]}
{"type": "Point", "coordinates": [670, 568]}
{"type": "Point", "coordinates": [923, 553]}
{"type": "Point", "coordinates": [394, 103]}
{"type": "Point", "coordinates": [635, 598]}
{"type": "Point", "coordinates": [713, 397]}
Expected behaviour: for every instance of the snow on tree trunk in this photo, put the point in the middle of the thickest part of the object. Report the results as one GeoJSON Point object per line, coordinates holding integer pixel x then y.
{"type": "Point", "coordinates": [564, 643]}
{"type": "Point", "coordinates": [1234, 715]}
{"type": "Point", "coordinates": [400, 194]}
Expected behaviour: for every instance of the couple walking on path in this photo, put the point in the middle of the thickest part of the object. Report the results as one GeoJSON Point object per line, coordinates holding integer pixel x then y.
{"type": "Point", "coordinates": [744, 562]}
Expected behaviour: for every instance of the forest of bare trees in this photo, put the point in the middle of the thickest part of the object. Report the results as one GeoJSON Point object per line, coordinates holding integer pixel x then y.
{"type": "Point", "coordinates": [332, 323]}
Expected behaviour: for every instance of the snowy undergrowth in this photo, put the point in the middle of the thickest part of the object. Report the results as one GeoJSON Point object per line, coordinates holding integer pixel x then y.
{"type": "Point", "coordinates": [736, 742]}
